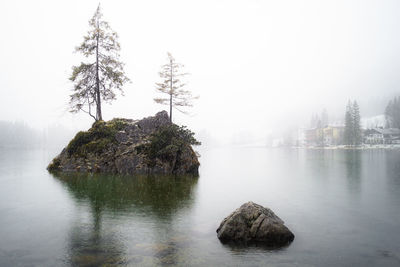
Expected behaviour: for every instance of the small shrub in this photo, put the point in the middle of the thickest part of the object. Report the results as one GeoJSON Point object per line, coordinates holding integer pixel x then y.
{"type": "Point", "coordinates": [166, 142]}
{"type": "Point", "coordinates": [54, 165]}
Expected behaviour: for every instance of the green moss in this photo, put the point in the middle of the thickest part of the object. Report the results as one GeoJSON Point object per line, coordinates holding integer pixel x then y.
{"type": "Point", "coordinates": [54, 165]}
{"type": "Point", "coordinates": [96, 146]}
{"type": "Point", "coordinates": [96, 139]}
{"type": "Point", "coordinates": [166, 142]}
{"type": "Point", "coordinates": [117, 124]}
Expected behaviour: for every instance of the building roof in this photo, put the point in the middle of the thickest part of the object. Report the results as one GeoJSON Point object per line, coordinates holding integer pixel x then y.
{"type": "Point", "coordinates": [372, 131]}
{"type": "Point", "coordinates": [388, 131]}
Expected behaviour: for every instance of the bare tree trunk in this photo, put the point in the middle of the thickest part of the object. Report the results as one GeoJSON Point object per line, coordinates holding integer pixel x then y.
{"type": "Point", "coordinates": [170, 94]}
{"type": "Point", "coordinates": [98, 110]}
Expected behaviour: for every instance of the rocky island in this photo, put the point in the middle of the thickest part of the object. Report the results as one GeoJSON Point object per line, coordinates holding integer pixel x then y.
{"type": "Point", "coordinates": [152, 145]}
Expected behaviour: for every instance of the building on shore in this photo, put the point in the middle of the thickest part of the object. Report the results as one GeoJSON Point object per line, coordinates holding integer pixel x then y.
{"type": "Point", "coordinates": [325, 136]}
{"type": "Point", "coordinates": [376, 136]}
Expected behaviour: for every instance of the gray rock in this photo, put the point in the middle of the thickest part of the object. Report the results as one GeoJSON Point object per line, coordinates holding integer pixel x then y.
{"type": "Point", "coordinates": [252, 223]}
{"type": "Point", "coordinates": [147, 125]}
{"type": "Point", "coordinates": [121, 136]}
{"type": "Point", "coordinates": [120, 155]}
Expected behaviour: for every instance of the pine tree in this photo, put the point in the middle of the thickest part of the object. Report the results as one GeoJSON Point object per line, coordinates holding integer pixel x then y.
{"type": "Point", "coordinates": [357, 137]}
{"type": "Point", "coordinates": [352, 127]}
{"type": "Point", "coordinates": [392, 113]}
{"type": "Point", "coordinates": [348, 125]}
{"type": "Point", "coordinates": [172, 86]}
{"type": "Point", "coordinates": [98, 79]}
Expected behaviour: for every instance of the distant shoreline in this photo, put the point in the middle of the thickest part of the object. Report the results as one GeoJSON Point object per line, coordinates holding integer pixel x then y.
{"type": "Point", "coordinates": [342, 147]}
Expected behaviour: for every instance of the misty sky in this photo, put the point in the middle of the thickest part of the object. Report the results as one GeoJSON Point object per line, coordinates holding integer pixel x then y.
{"type": "Point", "coordinates": [257, 65]}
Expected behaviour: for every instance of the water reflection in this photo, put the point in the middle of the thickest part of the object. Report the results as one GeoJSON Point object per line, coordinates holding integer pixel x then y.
{"type": "Point", "coordinates": [392, 160]}
{"type": "Point", "coordinates": [392, 172]}
{"type": "Point", "coordinates": [113, 200]}
{"type": "Point", "coordinates": [353, 160]}
{"type": "Point", "coordinates": [156, 195]}
{"type": "Point", "coordinates": [89, 246]}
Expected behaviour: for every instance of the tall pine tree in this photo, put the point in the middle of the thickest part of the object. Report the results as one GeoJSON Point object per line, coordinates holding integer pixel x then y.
{"type": "Point", "coordinates": [97, 80]}
{"type": "Point", "coordinates": [357, 137]}
{"type": "Point", "coordinates": [348, 124]}
{"type": "Point", "coordinates": [352, 125]}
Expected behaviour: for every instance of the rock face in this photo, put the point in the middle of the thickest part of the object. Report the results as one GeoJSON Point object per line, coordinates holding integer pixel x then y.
{"type": "Point", "coordinates": [252, 223]}
{"type": "Point", "coordinates": [113, 147]}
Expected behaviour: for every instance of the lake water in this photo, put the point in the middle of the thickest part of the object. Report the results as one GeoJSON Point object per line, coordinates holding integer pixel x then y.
{"type": "Point", "coordinates": [342, 206]}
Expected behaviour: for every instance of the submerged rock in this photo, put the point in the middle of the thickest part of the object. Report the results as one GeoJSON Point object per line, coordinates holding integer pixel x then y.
{"type": "Point", "coordinates": [252, 223]}
{"type": "Point", "coordinates": [121, 146]}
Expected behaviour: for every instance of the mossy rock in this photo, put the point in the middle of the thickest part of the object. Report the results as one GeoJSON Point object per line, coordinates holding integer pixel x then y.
{"type": "Point", "coordinates": [124, 146]}
{"type": "Point", "coordinates": [96, 139]}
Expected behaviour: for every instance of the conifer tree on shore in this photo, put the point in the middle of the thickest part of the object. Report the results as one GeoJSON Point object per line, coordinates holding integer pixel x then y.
{"type": "Point", "coordinates": [392, 113]}
{"type": "Point", "coordinates": [356, 125]}
{"type": "Point", "coordinates": [352, 128]}
{"type": "Point", "coordinates": [348, 124]}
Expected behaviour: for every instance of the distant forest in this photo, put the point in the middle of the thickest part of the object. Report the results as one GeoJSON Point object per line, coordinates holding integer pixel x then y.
{"type": "Point", "coordinates": [21, 135]}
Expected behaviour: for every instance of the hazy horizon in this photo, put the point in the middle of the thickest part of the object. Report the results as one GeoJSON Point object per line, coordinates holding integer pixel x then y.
{"type": "Point", "coordinates": [258, 66]}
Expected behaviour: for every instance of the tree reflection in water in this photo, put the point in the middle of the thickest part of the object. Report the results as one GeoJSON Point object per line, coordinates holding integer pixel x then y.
{"type": "Point", "coordinates": [353, 161]}
{"type": "Point", "coordinates": [158, 198]}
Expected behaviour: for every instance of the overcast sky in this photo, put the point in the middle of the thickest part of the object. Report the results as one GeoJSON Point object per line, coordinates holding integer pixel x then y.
{"type": "Point", "coordinates": [257, 65]}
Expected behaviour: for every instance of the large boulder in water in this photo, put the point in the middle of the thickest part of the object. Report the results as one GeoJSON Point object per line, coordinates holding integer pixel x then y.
{"type": "Point", "coordinates": [152, 145]}
{"type": "Point", "coordinates": [252, 223]}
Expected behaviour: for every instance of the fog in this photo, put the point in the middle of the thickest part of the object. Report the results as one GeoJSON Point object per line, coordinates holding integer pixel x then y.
{"type": "Point", "coordinates": [259, 67]}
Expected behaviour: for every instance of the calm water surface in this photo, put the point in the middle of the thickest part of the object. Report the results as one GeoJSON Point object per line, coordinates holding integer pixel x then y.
{"type": "Point", "coordinates": [343, 207]}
